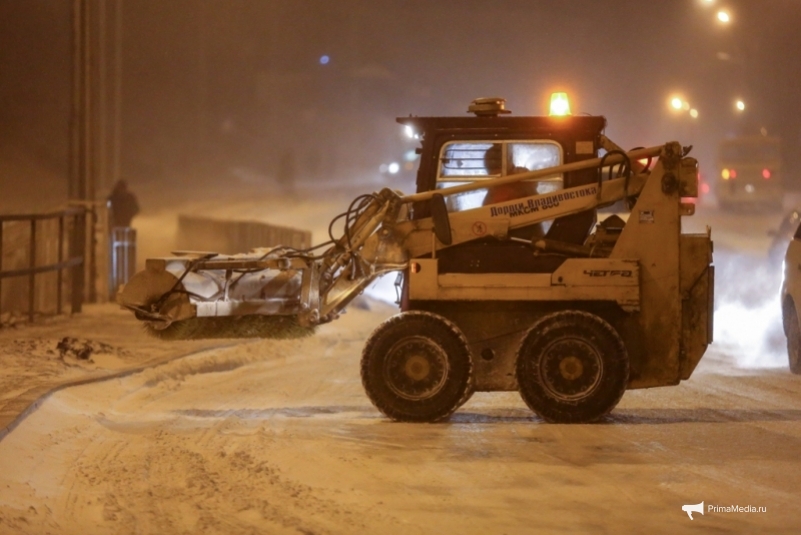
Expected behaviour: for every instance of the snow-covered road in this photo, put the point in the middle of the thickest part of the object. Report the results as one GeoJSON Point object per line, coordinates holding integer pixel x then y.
{"type": "Point", "coordinates": [278, 437]}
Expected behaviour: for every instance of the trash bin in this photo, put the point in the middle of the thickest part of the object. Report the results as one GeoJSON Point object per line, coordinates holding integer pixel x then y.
{"type": "Point", "coordinates": [123, 257]}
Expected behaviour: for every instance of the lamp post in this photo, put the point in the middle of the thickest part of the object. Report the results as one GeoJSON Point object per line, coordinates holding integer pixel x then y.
{"type": "Point", "coordinates": [740, 56]}
{"type": "Point", "coordinates": [88, 126]}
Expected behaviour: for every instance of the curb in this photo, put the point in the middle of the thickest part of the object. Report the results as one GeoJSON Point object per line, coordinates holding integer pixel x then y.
{"type": "Point", "coordinates": [28, 402]}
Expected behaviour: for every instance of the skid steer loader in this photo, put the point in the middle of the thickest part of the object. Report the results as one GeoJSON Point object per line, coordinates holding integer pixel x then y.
{"type": "Point", "coordinates": [509, 280]}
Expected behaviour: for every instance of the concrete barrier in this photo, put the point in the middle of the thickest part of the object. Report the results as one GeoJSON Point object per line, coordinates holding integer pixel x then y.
{"type": "Point", "coordinates": [230, 237]}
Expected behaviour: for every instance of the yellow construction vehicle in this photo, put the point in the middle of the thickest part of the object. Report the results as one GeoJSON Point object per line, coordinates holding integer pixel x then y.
{"type": "Point", "coordinates": [509, 282]}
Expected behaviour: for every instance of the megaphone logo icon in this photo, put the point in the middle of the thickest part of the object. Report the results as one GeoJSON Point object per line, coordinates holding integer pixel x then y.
{"type": "Point", "coordinates": [697, 508]}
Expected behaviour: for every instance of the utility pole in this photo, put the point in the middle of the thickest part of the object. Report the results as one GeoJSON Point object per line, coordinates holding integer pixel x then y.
{"type": "Point", "coordinates": [89, 147]}
{"type": "Point", "coordinates": [77, 187]}
{"type": "Point", "coordinates": [117, 147]}
{"type": "Point", "coordinates": [78, 178]}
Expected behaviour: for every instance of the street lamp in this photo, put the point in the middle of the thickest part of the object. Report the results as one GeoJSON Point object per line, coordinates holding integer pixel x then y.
{"type": "Point", "coordinates": [678, 104]}
{"type": "Point", "coordinates": [740, 105]}
{"type": "Point", "coordinates": [723, 16]}
{"type": "Point", "coordinates": [684, 117]}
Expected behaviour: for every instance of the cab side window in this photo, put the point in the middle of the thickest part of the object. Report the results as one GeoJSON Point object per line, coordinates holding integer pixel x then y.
{"type": "Point", "coordinates": [470, 161]}
{"type": "Point", "coordinates": [524, 157]}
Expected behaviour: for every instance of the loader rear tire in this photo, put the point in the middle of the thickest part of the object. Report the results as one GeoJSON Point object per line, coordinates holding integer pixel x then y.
{"type": "Point", "coordinates": [793, 339]}
{"type": "Point", "coordinates": [572, 367]}
{"type": "Point", "coordinates": [416, 367]}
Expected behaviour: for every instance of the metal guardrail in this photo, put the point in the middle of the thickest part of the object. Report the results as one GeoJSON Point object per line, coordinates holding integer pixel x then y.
{"type": "Point", "coordinates": [74, 262]}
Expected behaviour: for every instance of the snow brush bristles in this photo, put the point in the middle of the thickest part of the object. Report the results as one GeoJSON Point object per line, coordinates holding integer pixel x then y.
{"type": "Point", "coordinates": [276, 327]}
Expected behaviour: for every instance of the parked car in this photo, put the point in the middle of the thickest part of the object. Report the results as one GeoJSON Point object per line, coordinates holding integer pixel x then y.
{"type": "Point", "coordinates": [782, 236]}
{"type": "Point", "coordinates": [791, 299]}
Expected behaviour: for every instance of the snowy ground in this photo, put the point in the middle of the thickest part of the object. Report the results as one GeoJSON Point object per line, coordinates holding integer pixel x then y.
{"type": "Point", "coordinates": [278, 437]}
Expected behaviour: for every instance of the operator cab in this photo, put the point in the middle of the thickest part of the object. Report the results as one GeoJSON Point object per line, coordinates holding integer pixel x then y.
{"type": "Point", "coordinates": [491, 144]}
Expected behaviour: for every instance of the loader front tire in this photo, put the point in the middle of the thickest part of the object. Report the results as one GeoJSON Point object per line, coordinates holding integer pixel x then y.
{"type": "Point", "coordinates": [416, 367]}
{"type": "Point", "coordinates": [572, 367]}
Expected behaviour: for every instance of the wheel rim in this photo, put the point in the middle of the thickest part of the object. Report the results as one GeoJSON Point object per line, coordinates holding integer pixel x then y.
{"type": "Point", "coordinates": [415, 368]}
{"type": "Point", "coordinates": [571, 369]}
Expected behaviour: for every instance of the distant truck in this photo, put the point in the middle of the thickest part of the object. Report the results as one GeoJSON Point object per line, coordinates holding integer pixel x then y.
{"type": "Point", "coordinates": [750, 173]}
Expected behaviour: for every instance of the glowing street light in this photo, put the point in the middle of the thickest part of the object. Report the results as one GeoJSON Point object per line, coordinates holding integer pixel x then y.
{"type": "Point", "coordinates": [694, 113]}
{"type": "Point", "coordinates": [677, 103]}
{"type": "Point", "coordinates": [723, 16]}
{"type": "Point", "coordinates": [740, 105]}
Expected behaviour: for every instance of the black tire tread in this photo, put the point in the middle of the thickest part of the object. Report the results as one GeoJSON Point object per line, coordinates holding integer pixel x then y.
{"type": "Point", "coordinates": [555, 411]}
{"type": "Point", "coordinates": [386, 408]}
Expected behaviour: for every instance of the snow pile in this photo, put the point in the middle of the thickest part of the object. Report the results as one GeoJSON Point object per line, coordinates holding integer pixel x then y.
{"type": "Point", "coordinates": [748, 319]}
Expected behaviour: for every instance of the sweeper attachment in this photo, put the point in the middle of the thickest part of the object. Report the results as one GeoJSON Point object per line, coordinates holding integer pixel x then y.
{"type": "Point", "coordinates": [509, 280]}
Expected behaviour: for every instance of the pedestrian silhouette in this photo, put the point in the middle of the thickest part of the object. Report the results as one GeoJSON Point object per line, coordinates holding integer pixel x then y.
{"type": "Point", "coordinates": [123, 204]}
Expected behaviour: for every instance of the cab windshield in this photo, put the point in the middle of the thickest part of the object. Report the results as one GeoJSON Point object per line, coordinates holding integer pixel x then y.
{"type": "Point", "coordinates": [463, 162]}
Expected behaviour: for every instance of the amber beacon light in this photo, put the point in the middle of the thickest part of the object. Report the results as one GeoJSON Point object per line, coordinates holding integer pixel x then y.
{"type": "Point", "coordinates": [560, 105]}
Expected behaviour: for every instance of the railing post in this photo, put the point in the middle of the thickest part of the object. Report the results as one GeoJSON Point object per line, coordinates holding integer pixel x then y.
{"type": "Point", "coordinates": [91, 253]}
{"type": "Point", "coordinates": [60, 276]}
{"type": "Point", "coordinates": [32, 276]}
{"type": "Point", "coordinates": [78, 249]}
{"type": "Point", "coordinates": [1, 266]}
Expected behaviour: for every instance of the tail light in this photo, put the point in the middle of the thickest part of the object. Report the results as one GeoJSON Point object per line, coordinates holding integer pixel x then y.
{"type": "Point", "coordinates": [766, 174]}
{"type": "Point", "coordinates": [726, 174]}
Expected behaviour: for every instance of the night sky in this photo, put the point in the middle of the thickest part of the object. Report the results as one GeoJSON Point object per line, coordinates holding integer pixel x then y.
{"type": "Point", "coordinates": [208, 85]}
